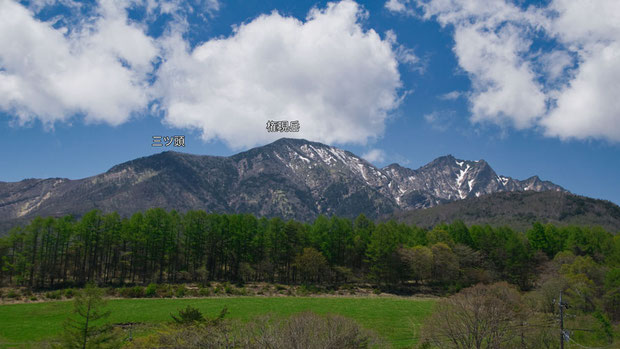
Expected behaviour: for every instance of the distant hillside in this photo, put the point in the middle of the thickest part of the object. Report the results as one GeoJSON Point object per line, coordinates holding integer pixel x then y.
{"type": "Point", "coordinates": [519, 210]}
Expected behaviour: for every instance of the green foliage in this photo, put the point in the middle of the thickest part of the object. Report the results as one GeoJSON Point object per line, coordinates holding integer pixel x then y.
{"type": "Point", "coordinates": [87, 329]}
{"type": "Point", "coordinates": [132, 292]}
{"type": "Point", "coordinates": [419, 260]}
{"type": "Point", "coordinates": [188, 315]}
{"type": "Point", "coordinates": [69, 293]}
{"type": "Point", "coordinates": [12, 294]}
{"type": "Point", "coordinates": [191, 315]}
{"type": "Point", "coordinates": [612, 278]}
{"type": "Point", "coordinates": [53, 295]}
{"type": "Point", "coordinates": [151, 290]}
{"type": "Point", "coordinates": [611, 303]}
{"type": "Point", "coordinates": [381, 252]}
{"type": "Point", "coordinates": [160, 248]}
{"type": "Point", "coordinates": [311, 265]}
{"type": "Point", "coordinates": [180, 291]}
{"type": "Point", "coordinates": [445, 265]}
{"type": "Point", "coordinates": [605, 326]}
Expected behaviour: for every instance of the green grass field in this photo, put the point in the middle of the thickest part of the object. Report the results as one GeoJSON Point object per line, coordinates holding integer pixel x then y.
{"type": "Point", "coordinates": [395, 319]}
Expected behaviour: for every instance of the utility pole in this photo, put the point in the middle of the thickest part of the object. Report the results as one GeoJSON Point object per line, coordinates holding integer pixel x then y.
{"type": "Point", "coordinates": [561, 322]}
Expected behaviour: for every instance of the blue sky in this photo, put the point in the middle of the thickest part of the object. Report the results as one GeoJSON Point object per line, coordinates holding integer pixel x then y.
{"type": "Point", "coordinates": [531, 87]}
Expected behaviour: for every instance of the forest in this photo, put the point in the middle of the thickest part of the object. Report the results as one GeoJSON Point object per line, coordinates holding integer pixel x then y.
{"type": "Point", "coordinates": [160, 247]}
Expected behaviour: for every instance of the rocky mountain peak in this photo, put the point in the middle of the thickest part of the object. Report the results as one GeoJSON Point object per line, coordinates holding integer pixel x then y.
{"type": "Point", "coordinates": [289, 178]}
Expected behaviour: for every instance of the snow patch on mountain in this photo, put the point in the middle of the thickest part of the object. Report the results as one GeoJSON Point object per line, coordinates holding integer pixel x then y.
{"type": "Point", "coordinates": [503, 180]}
{"type": "Point", "coordinates": [459, 181]}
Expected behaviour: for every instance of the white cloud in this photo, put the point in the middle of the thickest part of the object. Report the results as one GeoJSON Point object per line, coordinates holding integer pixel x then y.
{"type": "Point", "coordinates": [374, 156]}
{"type": "Point", "coordinates": [589, 106]}
{"type": "Point", "coordinates": [338, 80]}
{"type": "Point", "coordinates": [489, 46]}
{"type": "Point", "coordinates": [399, 6]}
{"type": "Point", "coordinates": [451, 96]}
{"type": "Point", "coordinates": [569, 90]}
{"type": "Point", "coordinates": [505, 89]}
{"type": "Point", "coordinates": [555, 63]}
{"type": "Point", "coordinates": [440, 120]}
{"type": "Point", "coordinates": [50, 74]}
{"type": "Point", "coordinates": [404, 54]}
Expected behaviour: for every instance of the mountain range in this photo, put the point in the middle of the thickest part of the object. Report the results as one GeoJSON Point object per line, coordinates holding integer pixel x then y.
{"type": "Point", "coordinates": [289, 178]}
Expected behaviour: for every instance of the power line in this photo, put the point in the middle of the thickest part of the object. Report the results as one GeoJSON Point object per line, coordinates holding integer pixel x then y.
{"type": "Point", "coordinates": [583, 346]}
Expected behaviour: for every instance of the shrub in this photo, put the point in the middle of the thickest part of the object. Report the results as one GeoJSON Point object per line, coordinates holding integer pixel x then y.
{"type": "Point", "coordinates": [151, 290]}
{"type": "Point", "coordinates": [188, 315]}
{"type": "Point", "coordinates": [485, 313]}
{"type": "Point", "coordinates": [53, 295]}
{"type": "Point", "coordinates": [204, 292]}
{"type": "Point", "coordinates": [305, 330]}
{"type": "Point", "coordinates": [132, 292]}
{"type": "Point", "coordinates": [69, 293]}
{"type": "Point", "coordinates": [164, 290]}
{"type": "Point", "coordinates": [180, 291]}
{"type": "Point", "coordinates": [309, 330]}
{"type": "Point", "coordinates": [111, 292]}
{"type": "Point", "coordinates": [303, 290]}
{"type": "Point", "coordinates": [192, 292]}
{"type": "Point", "coordinates": [12, 294]}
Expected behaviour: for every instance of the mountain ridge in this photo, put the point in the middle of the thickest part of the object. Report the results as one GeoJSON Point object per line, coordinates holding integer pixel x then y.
{"type": "Point", "coordinates": [289, 178]}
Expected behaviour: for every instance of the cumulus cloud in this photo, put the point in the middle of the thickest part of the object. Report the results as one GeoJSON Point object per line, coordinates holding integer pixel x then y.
{"type": "Point", "coordinates": [588, 105]}
{"type": "Point", "coordinates": [374, 155]}
{"type": "Point", "coordinates": [569, 90]}
{"type": "Point", "coordinates": [490, 47]}
{"type": "Point", "coordinates": [339, 80]}
{"type": "Point", "coordinates": [53, 73]}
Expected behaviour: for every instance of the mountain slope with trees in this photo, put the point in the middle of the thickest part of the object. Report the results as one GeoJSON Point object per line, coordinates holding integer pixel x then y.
{"type": "Point", "coordinates": [519, 210]}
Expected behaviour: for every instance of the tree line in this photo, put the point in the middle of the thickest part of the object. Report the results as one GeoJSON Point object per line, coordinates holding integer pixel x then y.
{"type": "Point", "coordinates": [161, 246]}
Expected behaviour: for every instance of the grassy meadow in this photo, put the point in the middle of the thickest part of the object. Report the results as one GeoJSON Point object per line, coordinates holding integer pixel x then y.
{"type": "Point", "coordinates": [395, 319]}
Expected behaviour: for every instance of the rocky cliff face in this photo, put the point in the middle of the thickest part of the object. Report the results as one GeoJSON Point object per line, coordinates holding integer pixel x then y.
{"type": "Point", "coordinates": [447, 179]}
